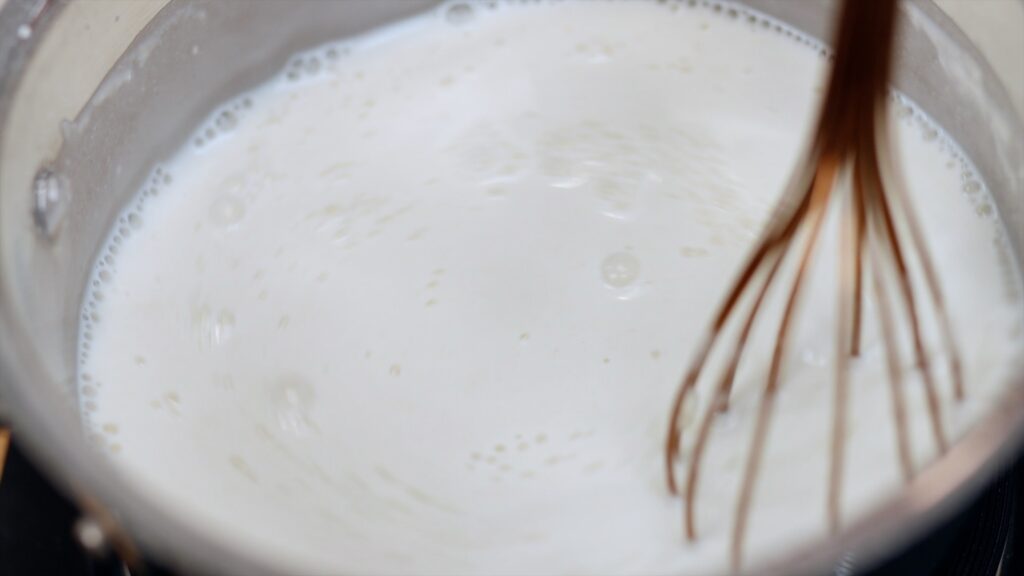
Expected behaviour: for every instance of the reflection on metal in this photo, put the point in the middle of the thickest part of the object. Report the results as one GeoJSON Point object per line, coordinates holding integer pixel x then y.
{"type": "Point", "coordinates": [90, 536]}
{"type": "Point", "coordinates": [50, 200]}
{"type": "Point", "coordinates": [845, 566]}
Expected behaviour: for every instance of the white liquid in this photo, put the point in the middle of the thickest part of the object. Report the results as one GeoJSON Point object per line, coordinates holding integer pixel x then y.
{"type": "Point", "coordinates": [420, 304]}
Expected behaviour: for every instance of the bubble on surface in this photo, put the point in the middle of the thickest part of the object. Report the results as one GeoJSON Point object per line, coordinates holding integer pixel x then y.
{"type": "Point", "coordinates": [226, 211]}
{"type": "Point", "coordinates": [213, 328]}
{"type": "Point", "coordinates": [620, 270]}
{"type": "Point", "coordinates": [291, 399]}
{"type": "Point", "coordinates": [459, 13]}
{"type": "Point", "coordinates": [312, 66]}
{"type": "Point", "coordinates": [226, 121]}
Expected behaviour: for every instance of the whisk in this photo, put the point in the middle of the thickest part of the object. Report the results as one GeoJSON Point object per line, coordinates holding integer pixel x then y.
{"type": "Point", "coordinates": [877, 229]}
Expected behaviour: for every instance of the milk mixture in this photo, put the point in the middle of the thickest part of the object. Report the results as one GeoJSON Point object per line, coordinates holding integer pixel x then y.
{"type": "Point", "coordinates": [420, 303]}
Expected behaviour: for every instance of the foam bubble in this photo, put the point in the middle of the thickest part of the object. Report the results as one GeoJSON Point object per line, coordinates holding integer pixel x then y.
{"type": "Point", "coordinates": [226, 211]}
{"type": "Point", "coordinates": [312, 66]}
{"type": "Point", "coordinates": [291, 399]}
{"type": "Point", "coordinates": [226, 121]}
{"type": "Point", "coordinates": [459, 13]}
{"type": "Point", "coordinates": [620, 269]}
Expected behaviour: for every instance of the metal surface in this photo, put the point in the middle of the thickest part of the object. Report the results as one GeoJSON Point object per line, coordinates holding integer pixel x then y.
{"type": "Point", "coordinates": [194, 55]}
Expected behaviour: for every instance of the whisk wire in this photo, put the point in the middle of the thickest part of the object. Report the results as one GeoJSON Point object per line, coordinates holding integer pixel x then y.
{"type": "Point", "coordinates": [859, 230]}
{"type": "Point", "coordinates": [894, 247]}
{"type": "Point", "coordinates": [848, 306]}
{"type": "Point", "coordinates": [850, 143]}
{"type": "Point", "coordinates": [888, 172]}
{"type": "Point", "coordinates": [719, 401]}
{"type": "Point", "coordinates": [885, 322]}
{"type": "Point", "coordinates": [819, 196]}
{"type": "Point", "coordinates": [782, 225]}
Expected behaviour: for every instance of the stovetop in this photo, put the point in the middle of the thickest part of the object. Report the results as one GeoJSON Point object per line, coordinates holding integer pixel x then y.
{"type": "Point", "coordinates": [37, 533]}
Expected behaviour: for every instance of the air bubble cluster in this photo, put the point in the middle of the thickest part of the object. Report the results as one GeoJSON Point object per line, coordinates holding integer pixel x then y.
{"type": "Point", "coordinates": [972, 185]}
{"type": "Point", "coordinates": [101, 283]}
{"type": "Point", "coordinates": [316, 62]}
{"type": "Point", "coordinates": [752, 18]}
{"type": "Point", "coordinates": [223, 121]}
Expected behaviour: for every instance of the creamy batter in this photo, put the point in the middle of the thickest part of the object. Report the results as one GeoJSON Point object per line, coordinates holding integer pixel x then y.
{"type": "Point", "coordinates": [419, 304]}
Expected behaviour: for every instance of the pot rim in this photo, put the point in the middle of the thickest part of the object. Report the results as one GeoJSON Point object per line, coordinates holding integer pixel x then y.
{"type": "Point", "coordinates": [938, 490]}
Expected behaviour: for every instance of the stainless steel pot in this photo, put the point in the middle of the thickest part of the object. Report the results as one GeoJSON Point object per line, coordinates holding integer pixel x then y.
{"type": "Point", "coordinates": [93, 94]}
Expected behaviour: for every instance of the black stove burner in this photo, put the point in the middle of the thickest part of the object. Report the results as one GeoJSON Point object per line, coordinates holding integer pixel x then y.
{"type": "Point", "coordinates": [36, 528]}
{"type": "Point", "coordinates": [980, 541]}
{"type": "Point", "coordinates": [36, 536]}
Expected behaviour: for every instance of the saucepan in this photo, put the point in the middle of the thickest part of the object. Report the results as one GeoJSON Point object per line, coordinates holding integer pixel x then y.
{"type": "Point", "coordinates": [93, 94]}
